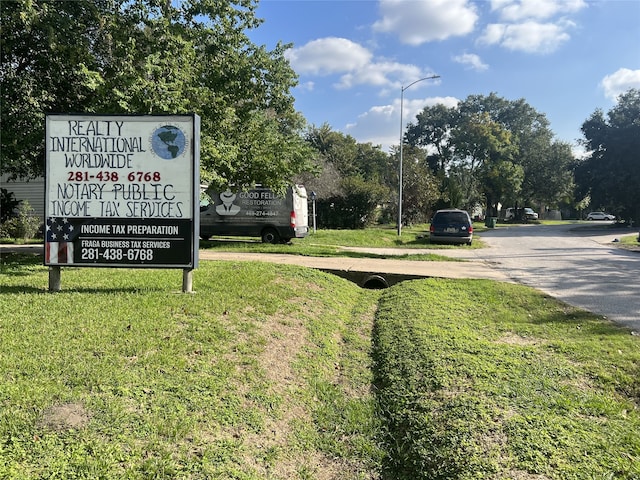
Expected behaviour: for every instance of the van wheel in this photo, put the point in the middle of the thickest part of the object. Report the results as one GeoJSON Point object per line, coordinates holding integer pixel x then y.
{"type": "Point", "coordinates": [270, 235]}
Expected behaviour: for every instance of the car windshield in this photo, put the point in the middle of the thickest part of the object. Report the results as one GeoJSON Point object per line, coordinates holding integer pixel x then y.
{"type": "Point", "coordinates": [451, 217]}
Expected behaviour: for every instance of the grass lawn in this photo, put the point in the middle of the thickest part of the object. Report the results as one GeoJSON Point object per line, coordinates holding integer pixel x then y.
{"type": "Point", "coordinates": [328, 242]}
{"type": "Point", "coordinates": [630, 241]}
{"type": "Point", "coordinates": [282, 372]}
{"type": "Point", "coordinates": [264, 372]}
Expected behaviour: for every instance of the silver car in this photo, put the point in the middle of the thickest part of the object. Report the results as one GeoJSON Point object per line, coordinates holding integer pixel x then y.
{"type": "Point", "coordinates": [600, 216]}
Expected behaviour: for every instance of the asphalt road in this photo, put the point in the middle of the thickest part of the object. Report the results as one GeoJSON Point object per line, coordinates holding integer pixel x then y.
{"type": "Point", "coordinates": [580, 265]}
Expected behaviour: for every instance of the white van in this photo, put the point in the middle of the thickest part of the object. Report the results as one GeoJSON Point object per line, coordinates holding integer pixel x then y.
{"type": "Point", "coordinates": [258, 212]}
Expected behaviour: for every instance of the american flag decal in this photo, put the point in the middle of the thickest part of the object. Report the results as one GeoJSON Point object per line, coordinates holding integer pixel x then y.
{"type": "Point", "coordinates": [59, 242]}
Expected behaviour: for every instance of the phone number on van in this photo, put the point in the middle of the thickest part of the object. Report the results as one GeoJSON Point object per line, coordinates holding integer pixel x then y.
{"type": "Point", "coordinates": [261, 213]}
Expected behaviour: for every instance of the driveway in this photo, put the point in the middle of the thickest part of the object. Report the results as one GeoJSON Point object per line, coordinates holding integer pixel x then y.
{"type": "Point", "coordinates": [578, 264]}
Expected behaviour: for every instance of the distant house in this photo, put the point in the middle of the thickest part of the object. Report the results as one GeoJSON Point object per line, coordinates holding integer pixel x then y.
{"type": "Point", "coordinates": [30, 190]}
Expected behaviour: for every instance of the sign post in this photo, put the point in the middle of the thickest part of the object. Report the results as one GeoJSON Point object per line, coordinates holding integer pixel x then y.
{"type": "Point", "coordinates": [122, 191]}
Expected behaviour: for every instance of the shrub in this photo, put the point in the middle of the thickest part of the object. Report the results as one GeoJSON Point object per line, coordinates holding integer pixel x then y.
{"type": "Point", "coordinates": [356, 208]}
{"type": "Point", "coordinates": [24, 225]}
{"type": "Point", "coordinates": [8, 205]}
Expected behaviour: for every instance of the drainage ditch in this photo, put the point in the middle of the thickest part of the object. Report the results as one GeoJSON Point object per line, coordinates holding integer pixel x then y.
{"type": "Point", "coordinates": [372, 280]}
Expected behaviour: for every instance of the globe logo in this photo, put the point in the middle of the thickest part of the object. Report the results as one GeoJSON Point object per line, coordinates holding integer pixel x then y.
{"type": "Point", "coordinates": [168, 142]}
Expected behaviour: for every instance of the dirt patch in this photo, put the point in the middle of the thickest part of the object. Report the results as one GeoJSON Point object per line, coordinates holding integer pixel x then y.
{"type": "Point", "coordinates": [68, 416]}
{"type": "Point", "coordinates": [286, 337]}
{"type": "Point", "coordinates": [511, 338]}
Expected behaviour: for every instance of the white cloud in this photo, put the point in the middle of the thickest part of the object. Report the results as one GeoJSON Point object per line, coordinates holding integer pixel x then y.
{"type": "Point", "coordinates": [380, 125]}
{"type": "Point", "coordinates": [374, 74]}
{"type": "Point", "coordinates": [619, 82]}
{"type": "Point", "coordinates": [307, 86]}
{"type": "Point", "coordinates": [354, 64]}
{"type": "Point", "coordinates": [382, 74]}
{"type": "Point", "coordinates": [472, 61]}
{"type": "Point", "coordinates": [326, 56]}
{"type": "Point", "coordinates": [532, 26]}
{"type": "Point", "coordinates": [416, 22]}
{"type": "Point", "coordinates": [493, 34]}
{"type": "Point", "coordinates": [530, 37]}
{"type": "Point", "coordinates": [519, 10]}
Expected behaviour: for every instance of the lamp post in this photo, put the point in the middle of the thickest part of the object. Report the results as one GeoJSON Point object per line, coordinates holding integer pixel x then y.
{"type": "Point", "coordinates": [313, 204]}
{"type": "Point", "coordinates": [401, 142]}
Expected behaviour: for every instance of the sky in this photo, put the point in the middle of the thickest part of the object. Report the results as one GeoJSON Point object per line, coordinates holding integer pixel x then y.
{"type": "Point", "coordinates": [356, 59]}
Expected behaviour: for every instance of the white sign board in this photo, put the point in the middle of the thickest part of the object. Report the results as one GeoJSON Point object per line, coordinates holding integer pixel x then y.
{"type": "Point", "coordinates": [122, 190]}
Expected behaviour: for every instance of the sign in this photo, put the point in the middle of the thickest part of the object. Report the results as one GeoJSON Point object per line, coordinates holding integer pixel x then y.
{"type": "Point", "coordinates": [122, 190]}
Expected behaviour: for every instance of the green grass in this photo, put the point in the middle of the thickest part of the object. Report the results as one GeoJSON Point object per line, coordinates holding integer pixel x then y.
{"type": "Point", "coordinates": [121, 376]}
{"type": "Point", "coordinates": [326, 243]}
{"type": "Point", "coordinates": [630, 241]}
{"type": "Point", "coordinates": [487, 380]}
{"type": "Point", "coordinates": [282, 372]}
{"type": "Point", "coordinates": [416, 236]}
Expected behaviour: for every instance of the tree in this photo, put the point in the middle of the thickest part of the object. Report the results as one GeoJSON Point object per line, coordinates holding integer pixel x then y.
{"type": "Point", "coordinates": [8, 205]}
{"type": "Point", "coordinates": [502, 180]}
{"type": "Point", "coordinates": [337, 148]}
{"type": "Point", "coordinates": [548, 175]}
{"type": "Point", "coordinates": [611, 171]}
{"type": "Point", "coordinates": [150, 57]}
{"type": "Point", "coordinates": [484, 147]}
{"type": "Point", "coordinates": [490, 149]}
{"type": "Point", "coordinates": [529, 136]}
{"type": "Point", "coordinates": [373, 163]}
{"type": "Point", "coordinates": [356, 179]}
{"type": "Point", "coordinates": [433, 130]}
{"type": "Point", "coordinates": [353, 181]}
{"type": "Point", "coordinates": [45, 65]}
{"type": "Point", "coordinates": [355, 208]}
{"type": "Point", "coordinates": [420, 187]}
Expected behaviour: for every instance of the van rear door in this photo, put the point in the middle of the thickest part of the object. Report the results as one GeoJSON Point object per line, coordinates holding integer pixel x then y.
{"type": "Point", "coordinates": [300, 210]}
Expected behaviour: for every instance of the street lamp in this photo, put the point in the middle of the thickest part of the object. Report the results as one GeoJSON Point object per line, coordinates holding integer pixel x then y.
{"type": "Point", "coordinates": [401, 142]}
{"type": "Point", "coordinates": [313, 203]}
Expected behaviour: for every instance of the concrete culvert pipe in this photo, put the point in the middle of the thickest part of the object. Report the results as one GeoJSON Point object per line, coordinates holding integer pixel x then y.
{"type": "Point", "coordinates": [375, 282]}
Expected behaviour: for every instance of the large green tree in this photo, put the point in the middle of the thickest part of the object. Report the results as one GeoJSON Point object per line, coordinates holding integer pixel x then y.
{"type": "Point", "coordinates": [548, 174]}
{"type": "Point", "coordinates": [493, 150]}
{"type": "Point", "coordinates": [610, 173]}
{"type": "Point", "coordinates": [47, 59]}
{"type": "Point", "coordinates": [152, 57]}
{"type": "Point", "coordinates": [483, 147]}
{"type": "Point", "coordinates": [433, 129]}
{"type": "Point", "coordinates": [530, 140]}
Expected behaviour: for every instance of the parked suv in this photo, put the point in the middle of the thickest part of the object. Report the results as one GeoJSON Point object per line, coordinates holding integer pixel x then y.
{"type": "Point", "coordinates": [451, 226]}
{"type": "Point", "coordinates": [600, 216]}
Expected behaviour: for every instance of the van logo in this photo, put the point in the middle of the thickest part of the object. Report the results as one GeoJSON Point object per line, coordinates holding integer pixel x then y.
{"type": "Point", "coordinates": [227, 207]}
